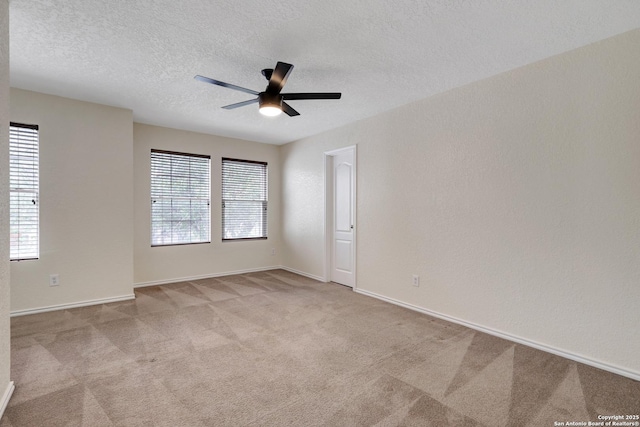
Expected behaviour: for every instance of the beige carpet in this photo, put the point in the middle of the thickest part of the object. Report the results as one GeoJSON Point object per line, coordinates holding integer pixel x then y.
{"type": "Point", "coordinates": [278, 349]}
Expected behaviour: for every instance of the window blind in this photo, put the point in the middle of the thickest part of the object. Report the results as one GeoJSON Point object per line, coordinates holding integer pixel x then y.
{"type": "Point", "coordinates": [180, 198]}
{"type": "Point", "coordinates": [23, 192]}
{"type": "Point", "coordinates": [244, 199]}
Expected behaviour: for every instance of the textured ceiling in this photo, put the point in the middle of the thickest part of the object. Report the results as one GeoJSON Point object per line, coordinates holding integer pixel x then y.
{"type": "Point", "coordinates": [143, 54]}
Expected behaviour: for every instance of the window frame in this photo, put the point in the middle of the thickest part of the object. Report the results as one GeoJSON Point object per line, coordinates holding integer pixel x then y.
{"type": "Point", "coordinates": [152, 198]}
{"type": "Point", "coordinates": [264, 202]}
{"type": "Point", "coordinates": [35, 190]}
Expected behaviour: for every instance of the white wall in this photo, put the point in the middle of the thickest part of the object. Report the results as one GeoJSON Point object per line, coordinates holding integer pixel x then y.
{"type": "Point", "coordinates": [170, 263]}
{"type": "Point", "coordinates": [515, 199]}
{"type": "Point", "coordinates": [86, 202]}
{"type": "Point", "coordinates": [4, 203]}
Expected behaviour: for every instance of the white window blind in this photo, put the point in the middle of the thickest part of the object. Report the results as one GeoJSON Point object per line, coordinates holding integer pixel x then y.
{"type": "Point", "coordinates": [23, 192]}
{"type": "Point", "coordinates": [180, 198]}
{"type": "Point", "coordinates": [244, 199]}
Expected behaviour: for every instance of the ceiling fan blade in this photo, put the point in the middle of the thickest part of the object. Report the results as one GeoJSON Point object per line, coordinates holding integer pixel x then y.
{"type": "Point", "coordinates": [227, 85]}
{"type": "Point", "coordinates": [279, 77]}
{"type": "Point", "coordinates": [240, 104]}
{"type": "Point", "coordinates": [301, 96]}
{"type": "Point", "coordinates": [288, 110]}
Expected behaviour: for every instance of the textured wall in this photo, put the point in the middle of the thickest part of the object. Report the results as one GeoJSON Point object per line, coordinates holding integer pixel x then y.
{"type": "Point", "coordinates": [86, 202]}
{"type": "Point", "coordinates": [303, 246]}
{"type": "Point", "coordinates": [4, 197]}
{"type": "Point", "coordinates": [515, 199]}
{"type": "Point", "coordinates": [188, 261]}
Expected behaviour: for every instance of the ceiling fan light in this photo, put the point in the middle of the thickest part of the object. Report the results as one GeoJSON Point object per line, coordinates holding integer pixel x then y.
{"type": "Point", "coordinates": [270, 105]}
{"type": "Point", "coordinates": [270, 110]}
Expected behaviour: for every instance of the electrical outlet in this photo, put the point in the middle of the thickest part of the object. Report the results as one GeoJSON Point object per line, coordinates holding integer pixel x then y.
{"type": "Point", "coordinates": [54, 280]}
{"type": "Point", "coordinates": [273, 251]}
{"type": "Point", "coordinates": [416, 280]}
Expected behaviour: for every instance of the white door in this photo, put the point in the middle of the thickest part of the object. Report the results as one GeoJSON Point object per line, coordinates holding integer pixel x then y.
{"type": "Point", "coordinates": [343, 242]}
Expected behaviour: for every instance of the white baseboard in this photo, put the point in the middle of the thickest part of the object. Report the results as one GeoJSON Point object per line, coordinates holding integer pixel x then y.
{"type": "Point", "coordinates": [302, 273]}
{"type": "Point", "coordinates": [6, 397]}
{"type": "Point", "coordinates": [71, 305]}
{"type": "Point", "coordinates": [203, 276]}
{"type": "Point", "coordinates": [553, 350]}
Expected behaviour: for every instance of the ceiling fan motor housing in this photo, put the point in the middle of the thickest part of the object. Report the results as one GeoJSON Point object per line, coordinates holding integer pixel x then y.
{"type": "Point", "coordinates": [270, 100]}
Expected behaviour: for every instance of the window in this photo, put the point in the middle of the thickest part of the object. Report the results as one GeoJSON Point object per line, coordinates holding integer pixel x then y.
{"type": "Point", "coordinates": [23, 192]}
{"type": "Point", "coordinates": [180, 208]}
{"type": "Point", "coordinates": [244, 199]}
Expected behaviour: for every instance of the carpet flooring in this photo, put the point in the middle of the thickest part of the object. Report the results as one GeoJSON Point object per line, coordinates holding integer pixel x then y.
{"type": "Point", "coordinates": [278, 349]}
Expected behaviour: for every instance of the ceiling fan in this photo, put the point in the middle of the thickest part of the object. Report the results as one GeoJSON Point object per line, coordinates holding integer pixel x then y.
{"type": "Point", "coordinates": [271, 101]}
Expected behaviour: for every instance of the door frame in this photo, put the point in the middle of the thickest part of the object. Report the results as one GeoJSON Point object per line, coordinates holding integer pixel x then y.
{"type": "Point", "coordinates": [328, 211]}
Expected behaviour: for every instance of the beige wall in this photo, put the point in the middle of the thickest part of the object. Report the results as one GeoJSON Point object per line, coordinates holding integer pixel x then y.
{"type": "Point", "coordinates": [4, 200]}
{"type": "Point", "coordinates": [169, 263]}
{"type": "Point", "coordinates": [515, 199]}
{"type": "Point", "coordinates": [86, 202]}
